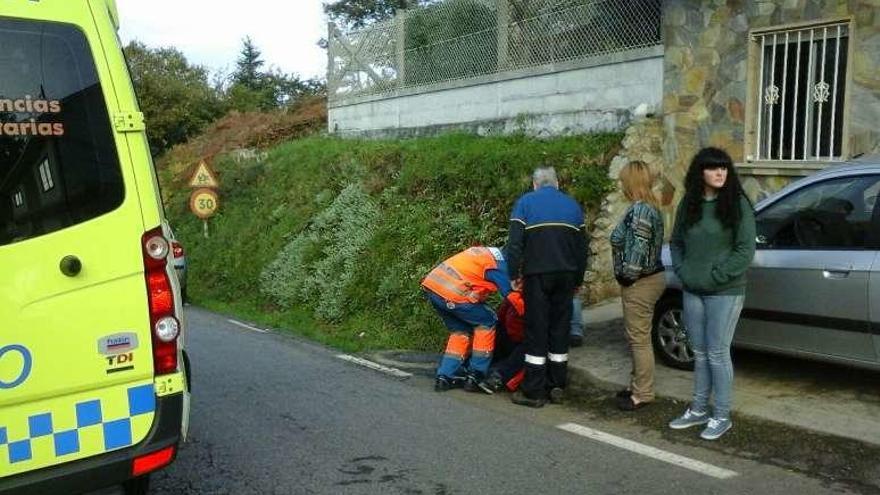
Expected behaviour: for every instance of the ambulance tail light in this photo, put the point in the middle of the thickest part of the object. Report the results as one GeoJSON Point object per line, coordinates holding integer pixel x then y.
{"type": "Point", "coordinates": [150, 462]}
{"type": "Point", "coordinates": [164, 326]}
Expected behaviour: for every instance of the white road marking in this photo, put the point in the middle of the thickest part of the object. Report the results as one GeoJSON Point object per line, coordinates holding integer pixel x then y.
{"type": "Point", "coordinates": [638, 448]}
{"type": "Point", "coordinates": [374, 366]}
{"type": "Point", "coordinates": [245, 325]}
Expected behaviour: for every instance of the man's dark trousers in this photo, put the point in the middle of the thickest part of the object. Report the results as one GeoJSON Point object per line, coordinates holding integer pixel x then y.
{"type": "Point", "coordinates": [548, 321]}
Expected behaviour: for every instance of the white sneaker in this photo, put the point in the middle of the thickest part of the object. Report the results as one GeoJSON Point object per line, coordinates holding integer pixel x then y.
{"type": "Point", "coordinates": [688, 419]}
{"type": "Point", "coordinates": [716, 428]}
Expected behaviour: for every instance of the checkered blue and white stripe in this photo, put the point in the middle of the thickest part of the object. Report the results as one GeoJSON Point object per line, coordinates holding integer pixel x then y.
{"type": "Point", "coordinates": [90, 417]}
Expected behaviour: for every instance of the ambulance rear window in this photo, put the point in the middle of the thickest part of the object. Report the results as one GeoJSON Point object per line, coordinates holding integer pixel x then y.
{"type": "Point", "coordinates": [58, 161]}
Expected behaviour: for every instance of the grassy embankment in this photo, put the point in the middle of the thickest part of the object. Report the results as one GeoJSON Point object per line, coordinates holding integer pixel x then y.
{"type": "Point", "coordinates": [330, 237]}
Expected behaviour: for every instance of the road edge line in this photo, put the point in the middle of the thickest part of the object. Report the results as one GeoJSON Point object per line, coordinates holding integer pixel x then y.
{"type": "Point", "coordinates": [648, 451]}
{"type": "Point", "coordinates": [374, 366]}
{"type": "Point", "coordinates": [245, 325]}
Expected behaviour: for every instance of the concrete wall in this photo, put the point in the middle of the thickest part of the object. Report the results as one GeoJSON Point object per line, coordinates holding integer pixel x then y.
{"type": "Point", "coordinates": [595, 96]}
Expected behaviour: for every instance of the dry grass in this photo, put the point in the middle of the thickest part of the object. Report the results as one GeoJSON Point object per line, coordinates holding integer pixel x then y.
{"type": "Point", "coordinates": [260, 130]}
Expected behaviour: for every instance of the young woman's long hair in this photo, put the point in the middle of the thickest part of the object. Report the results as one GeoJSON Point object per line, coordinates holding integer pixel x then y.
{"type": "Point", "coordinates": [728, 209]}
{"type": "Point", "coordinates": [637, 182]}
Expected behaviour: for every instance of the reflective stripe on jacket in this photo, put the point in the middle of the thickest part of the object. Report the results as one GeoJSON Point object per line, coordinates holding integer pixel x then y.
{"type": "Point", "coordinates": [462, 278]}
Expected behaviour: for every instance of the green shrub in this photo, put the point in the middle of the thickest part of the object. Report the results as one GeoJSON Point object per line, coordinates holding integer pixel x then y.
{"type": "Point", "coordinates": [318, 265]}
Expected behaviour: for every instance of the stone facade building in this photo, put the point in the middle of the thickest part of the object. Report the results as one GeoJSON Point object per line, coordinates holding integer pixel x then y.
{"type": "Point", "coordinates": [786, 87]}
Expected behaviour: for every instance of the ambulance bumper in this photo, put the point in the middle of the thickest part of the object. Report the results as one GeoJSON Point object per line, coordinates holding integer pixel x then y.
{"type": "Point", "coordinates": [103, 470]}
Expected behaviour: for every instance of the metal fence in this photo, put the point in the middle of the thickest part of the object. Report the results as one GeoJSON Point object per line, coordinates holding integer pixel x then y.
{"type": "Point", "coordinates": [461, 39]}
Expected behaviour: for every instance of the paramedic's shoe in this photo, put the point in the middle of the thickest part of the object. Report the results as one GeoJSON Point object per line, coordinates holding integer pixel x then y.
{"type": "Point", "coordinates": [716, 428]}
{"type": "Point", "coordinates": [519, 398]}
{"type": "Point", "coordinates": [688, 419]}
{"type": "Point", "coordinates": [494, 382]}
{"type": "Point", "coordinates": [442, 383]}
{"type": "Point", "coordinates": [473, 384]}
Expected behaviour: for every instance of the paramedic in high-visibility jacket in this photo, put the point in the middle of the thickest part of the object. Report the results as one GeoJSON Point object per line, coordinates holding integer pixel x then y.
{"type": "Point", "coordinates": [547, 248]}
{"type": "Point", "coordinates": [458, 289]}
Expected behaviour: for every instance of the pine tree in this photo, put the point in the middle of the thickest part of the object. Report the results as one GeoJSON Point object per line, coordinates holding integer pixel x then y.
{"type": "Point", "coordinates": [247, 72]}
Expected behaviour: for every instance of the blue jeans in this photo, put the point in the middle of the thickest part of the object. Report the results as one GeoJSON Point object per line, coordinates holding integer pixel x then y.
{"type": "Point", "coordinates": [710, 322]}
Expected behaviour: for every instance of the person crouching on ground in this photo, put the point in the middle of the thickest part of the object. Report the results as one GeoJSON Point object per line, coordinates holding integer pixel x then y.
{"type": "Point", "coordinates": [713, 243]}
{"type": "Point", "coordinates": [510, 353]}
{"type": "Point", "coordinates": [547, 247]}
{"type": "Point", "coordinates": [635, 245]}
{"type": "Point", "coordinates": [457, 289]}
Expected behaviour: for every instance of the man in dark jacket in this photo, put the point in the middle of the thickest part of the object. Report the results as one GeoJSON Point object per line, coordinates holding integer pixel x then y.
{"type": "Point", "coordinates": [547, 249]}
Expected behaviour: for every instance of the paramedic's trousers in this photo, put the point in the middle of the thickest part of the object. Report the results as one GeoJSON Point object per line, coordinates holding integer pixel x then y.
{"type": "Point", "coordinates": [548, 322]}
{"type": "Point", "coordinates": [471, 338]}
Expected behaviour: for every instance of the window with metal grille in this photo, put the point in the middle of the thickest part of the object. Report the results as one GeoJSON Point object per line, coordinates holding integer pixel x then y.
{"type": "Point", "coordinates": [18, 198]}
{"type": "Point", "coordinates": [801, 93]}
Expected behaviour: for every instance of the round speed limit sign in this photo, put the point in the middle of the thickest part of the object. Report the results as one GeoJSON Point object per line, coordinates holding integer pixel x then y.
{"type": "Point", "coordinates": [204, 202]}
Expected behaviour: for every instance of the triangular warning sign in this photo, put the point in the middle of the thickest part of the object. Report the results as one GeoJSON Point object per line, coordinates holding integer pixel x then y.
{"type": "Point", "coordinates": [203, 177]}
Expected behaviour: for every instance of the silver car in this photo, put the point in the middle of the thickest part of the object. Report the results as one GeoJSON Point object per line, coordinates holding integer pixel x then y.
{"type": "Point", "coordinates": [814, 286]}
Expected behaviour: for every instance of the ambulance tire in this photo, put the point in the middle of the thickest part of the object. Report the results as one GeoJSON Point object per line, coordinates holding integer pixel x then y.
{"type": "Point", "coordinates": [137, 486]}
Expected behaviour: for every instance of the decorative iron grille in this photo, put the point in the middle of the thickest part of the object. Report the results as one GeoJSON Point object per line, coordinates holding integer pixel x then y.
{"type": "Point", "coordinates": [462, 39]}
{"type": "Point", "coordinates": [801, 93]}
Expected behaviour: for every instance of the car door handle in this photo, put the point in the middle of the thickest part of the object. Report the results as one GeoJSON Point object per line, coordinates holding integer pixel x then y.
{"type": "Point", "coordinates": [836, 272]}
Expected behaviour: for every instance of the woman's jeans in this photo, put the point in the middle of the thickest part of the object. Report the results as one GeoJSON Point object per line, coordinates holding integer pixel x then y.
{"type": "Point", "coordinates": [710, 322]}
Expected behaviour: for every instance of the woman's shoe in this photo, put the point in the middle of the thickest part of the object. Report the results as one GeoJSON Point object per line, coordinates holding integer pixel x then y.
{"type": "Point", "coordinates": [716, 428]}
{"type": "Point", "coordinates": [688, 419]}
{"type": "Point", "coordinates": [627, 404]}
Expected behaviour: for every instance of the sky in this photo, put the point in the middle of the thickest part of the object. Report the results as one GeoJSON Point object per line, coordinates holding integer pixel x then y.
{"type": "Point", "coordinates": [209, 32]}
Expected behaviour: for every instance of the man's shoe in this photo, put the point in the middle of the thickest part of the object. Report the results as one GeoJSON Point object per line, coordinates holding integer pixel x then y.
{"type": "Point", "coordinates": [519, 398]}
{"type": "Point", "coordinates": [575, 340]}
{"type": "Point", "coordinates": [442, 383]}
{"type": "Point", "coordinates": [472, 384]}
{"type": "Point", "coordinates": [716, 428]}
{"type": "Point", "coordinates": [557, 395]}
{"type": "Point", "coordinates": [688, 419]}
{"type": "Point", "coordinates": [625, 393]}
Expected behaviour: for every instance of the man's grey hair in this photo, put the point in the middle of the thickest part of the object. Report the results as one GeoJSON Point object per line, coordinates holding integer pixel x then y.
{"type": "Point", "coordinates": [545, 176]}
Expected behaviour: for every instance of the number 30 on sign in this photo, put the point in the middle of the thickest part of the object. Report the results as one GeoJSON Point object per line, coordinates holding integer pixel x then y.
{"type": "Point", "coordinates": [204, 202]}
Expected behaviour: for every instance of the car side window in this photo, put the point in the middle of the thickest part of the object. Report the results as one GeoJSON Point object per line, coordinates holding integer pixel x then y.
{"type": "Point", "coordinates": [833, 214]}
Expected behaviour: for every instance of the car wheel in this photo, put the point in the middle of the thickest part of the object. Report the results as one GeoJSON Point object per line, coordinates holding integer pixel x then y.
{"type": "Point", "coordinates": [668, 333]}
{"type": "Point", "coordinates": [137, 486]}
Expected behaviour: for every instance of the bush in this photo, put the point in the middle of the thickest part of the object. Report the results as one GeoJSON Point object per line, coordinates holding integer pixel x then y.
{"type": "Point", "coordinates": [318, 265]}
{"type": "Point", "coordinates": [452, 40]}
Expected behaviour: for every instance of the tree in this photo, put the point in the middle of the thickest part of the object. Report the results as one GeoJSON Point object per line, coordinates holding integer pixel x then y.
{"type": "Point", "coordinates": [254, 89]}
{"type": "Point", "coordinates": [175, 96]}
{"type": "Point", "coordinates": [353, 14]}
{"type": "Point", "coordinates": [247, 72]}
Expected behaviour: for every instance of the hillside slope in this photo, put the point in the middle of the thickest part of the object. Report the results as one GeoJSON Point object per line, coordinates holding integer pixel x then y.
{"type": "Point", "coordinates": [331, 237]}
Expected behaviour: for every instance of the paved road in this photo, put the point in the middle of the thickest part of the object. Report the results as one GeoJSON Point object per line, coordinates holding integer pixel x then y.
{"type": "Point", "coordinates": [277, 415]}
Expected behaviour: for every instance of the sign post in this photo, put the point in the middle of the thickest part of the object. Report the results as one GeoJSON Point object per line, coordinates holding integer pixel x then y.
{"type": "Point", "coordinates": [204, 201]}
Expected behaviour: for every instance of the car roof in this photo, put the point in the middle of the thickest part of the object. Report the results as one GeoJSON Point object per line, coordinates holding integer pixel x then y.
{"type": "Point", "coordinates": [868, 164]}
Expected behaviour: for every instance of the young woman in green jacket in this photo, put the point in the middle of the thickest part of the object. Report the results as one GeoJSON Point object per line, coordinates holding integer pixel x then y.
{"type": "Point", "coordinates": [713, 243]}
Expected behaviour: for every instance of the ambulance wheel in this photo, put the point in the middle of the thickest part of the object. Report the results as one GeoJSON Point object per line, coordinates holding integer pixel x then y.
{"type": "Point", "coordinates": [137, 486]}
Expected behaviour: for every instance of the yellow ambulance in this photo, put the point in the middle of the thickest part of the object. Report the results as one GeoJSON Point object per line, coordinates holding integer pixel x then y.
{"type": "Point", "coordinates": [93, 373]}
